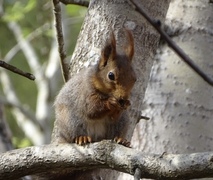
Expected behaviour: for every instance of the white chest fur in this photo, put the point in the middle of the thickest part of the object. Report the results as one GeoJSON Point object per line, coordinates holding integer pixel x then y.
{"type": "Point", "coordinates": [97, 129]}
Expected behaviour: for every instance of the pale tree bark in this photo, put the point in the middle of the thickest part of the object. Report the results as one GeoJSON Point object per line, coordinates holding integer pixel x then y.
{"type": "Point", "coordinates": [178, 101]}
{"type": "Point", "coordinates": [105, 154]}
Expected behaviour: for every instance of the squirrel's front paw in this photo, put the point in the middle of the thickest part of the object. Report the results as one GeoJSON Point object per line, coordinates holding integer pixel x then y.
{"type": "Point", "coordinates": [81, 140]}
{"type": "Point", "coordinates": [124, 103]}
{"type": "Point", "coordinates": [112, 103]}
{"type": "Point", "coordinates": [118, 103]}
{"type": "Point", "coordinates": [122, 141]}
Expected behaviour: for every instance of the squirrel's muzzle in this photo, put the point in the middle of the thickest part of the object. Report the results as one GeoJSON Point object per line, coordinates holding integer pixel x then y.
{"type": "Point", "coordinates": [124, 103]}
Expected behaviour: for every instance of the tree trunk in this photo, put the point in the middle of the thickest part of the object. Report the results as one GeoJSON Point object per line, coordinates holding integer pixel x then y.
{"type": "Point", "coordinates": [115, 15]}
{"type": "Point", "coordinates": [179, 102]}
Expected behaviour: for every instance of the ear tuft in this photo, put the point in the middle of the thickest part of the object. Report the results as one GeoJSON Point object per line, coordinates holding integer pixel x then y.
{"type": "Point", "coordinates": [108, 52]}
{"type": "Point", "coordinates": [130, 46]}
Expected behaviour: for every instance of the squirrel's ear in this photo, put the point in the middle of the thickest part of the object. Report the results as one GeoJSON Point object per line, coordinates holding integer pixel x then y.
{"type": "Point", "coordinates": [130, 47]}
{"type": "Point", "coordinates": [108, 52]}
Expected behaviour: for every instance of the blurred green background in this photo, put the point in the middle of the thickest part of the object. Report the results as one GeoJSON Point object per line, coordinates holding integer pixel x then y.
{"type": "Point", "coordinates": [32, 15]}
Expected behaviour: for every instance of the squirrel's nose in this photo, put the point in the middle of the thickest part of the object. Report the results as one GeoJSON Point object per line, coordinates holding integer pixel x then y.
{"type": "Point", "coordinates": [122, 102]}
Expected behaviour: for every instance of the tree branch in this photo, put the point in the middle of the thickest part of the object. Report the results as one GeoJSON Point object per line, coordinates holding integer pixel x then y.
{"type": "Point", "coordinates": [27, 50]}
{"type": "Point", "coordinates": [33, 35]}
{"type": "Point", "coordinates": [157, 25]}
{"type": "Point", "coordinates": [16, 70]}
{"type": "Point", "coordinates": [76, 2]}
{"type": "Point", "coordinates": [60, 38]}
{"type": "Point", "coordinates": [104, 154]}
{"type": "Point", "coordinates": [26, 121]}
{"type": "Point", "coordinates": [15, 103]}
{"type": "Point", "coordinates": [42, 83]}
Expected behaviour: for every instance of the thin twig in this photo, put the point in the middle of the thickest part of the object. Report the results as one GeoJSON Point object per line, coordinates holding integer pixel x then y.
{"type": "Point", "coordinates": [157, 25]}
{"type": "Point", "coordinates": [142, 117]}
{"type": "Point", "coordinates": [16, 70]}
{"type": "Point", "coordinates": [137, 175]}
{"type": "Point", "coordinates": [145, 117]}
{"type": "Point", "coordinates": [60, 38]}
{"type": "Point", "coordinates": [76, 2]}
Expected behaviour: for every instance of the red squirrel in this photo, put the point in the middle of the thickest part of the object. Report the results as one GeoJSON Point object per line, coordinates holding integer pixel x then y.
{"type": "Point", "coordinates": [91, 105]}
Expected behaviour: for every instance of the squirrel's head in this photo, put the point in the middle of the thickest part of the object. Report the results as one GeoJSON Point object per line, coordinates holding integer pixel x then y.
{"type": "Point", "coordinates": [115, 75]}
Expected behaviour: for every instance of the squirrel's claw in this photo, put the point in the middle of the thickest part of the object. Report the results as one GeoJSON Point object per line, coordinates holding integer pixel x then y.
{"type": "Point", "coordinates": [82, 140]}
{"type": "Point", "coordinates": [122, 141]}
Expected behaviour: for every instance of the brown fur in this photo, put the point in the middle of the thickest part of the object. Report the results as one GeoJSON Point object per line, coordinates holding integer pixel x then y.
{"type": "Point", "coordinates": [91, 106]}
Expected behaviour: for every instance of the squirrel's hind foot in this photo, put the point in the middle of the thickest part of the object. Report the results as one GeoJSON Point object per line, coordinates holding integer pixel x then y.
{"type": "Point", "coordinates": [122, 141]}
{"type": "Point", "coordinates": [82, 140]}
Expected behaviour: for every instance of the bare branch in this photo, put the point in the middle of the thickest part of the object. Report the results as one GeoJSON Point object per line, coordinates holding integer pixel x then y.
{"type": "Point", "coordinates": [157, 25]}
{"type": "Point", "coordinates": [53, 62]}
{"type": "Point", "coordinates": [13, 51]}
{"type": "Point", "coordinates": [14, 103]}
{"type": "Point", "coordinates": [137, 175]}
{"type": "Point", "coordinates": [25, 120]}
{"type": "Point", "coordinates": [104, 154]}
{"type": "Point", "coordinates": [28, 51]}
{"type": "Point", "coordinates": [60, 38]}
{"type": "Point", "coordinates": [16, 70]}
{"type": "Point", "coordinates": [42, 83]}
{"type": "Point", "coordinates": [145, 117]}
{"type": "Point", "coordinates": [76, 2]}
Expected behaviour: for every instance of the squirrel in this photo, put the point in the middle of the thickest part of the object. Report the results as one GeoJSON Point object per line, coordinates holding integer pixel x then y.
{"type": "Point", "coordinates": [92, 105]}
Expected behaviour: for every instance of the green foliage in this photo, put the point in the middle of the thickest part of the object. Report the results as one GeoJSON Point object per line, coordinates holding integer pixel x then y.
{"type": "Point", "coordinates": [18, 10]}
{"type": "Point", "coordinates": [21, 143]}
{"type": "Point", "coordinates": [35, 19]}
{"type": "Point", "coordinates": [75, 10]}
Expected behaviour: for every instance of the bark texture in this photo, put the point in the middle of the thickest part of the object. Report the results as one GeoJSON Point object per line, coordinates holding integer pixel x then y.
{"type": "Point", "coordinates": [105, 154]}
{"type": "Point", "coordinates": [178, 101]}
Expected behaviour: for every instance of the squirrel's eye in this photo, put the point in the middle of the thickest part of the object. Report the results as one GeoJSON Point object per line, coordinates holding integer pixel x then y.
{"type": "Point", "coordinates": [111, 76]}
